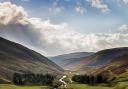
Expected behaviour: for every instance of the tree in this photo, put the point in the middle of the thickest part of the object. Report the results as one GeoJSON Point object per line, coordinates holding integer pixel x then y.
{"type": "Point", "coordinates": [77, 78]}
{"type": "Point", "coordinates": [32, 79]}
{"type": "Point", "coordinates": [17, 79]}
{"type": "Point", "coordinates": [99, 79]}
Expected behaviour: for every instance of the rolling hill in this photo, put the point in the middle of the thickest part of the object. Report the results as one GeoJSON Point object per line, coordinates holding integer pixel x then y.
{"type": "Point", "coordinates": [115, 59]}
{"type": "Point", "coordinates": [115, 56]}
{"type": "Point", "coordinates": [67, 59]}
{"type": "Point", "coordinates": [115, 66]}
{"type": "Point", "coordinates": [17, 58]}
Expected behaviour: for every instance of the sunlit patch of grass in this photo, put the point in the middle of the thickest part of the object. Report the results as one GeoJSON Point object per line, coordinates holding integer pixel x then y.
{"type": "Point", "coordinates": [122, 85]}
{"type": "Point", "coordinates": [9, 86]}
{"type": "Point", "coordinates": [85, 86]}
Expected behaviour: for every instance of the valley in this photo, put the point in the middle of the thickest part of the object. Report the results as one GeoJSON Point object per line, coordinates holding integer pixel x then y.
{"type": "Point", "coordinates": [15, 58]}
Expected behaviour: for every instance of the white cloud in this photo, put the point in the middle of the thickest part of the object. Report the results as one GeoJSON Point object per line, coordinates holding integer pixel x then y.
{"type": "Point", "coordinates": [11, 13]}
{"type": "Point", "coordinates": [55, 9]}
{"type": "Point", "coordinates": [80, 9]}
{"type": "Point", "coordinates": [99, 5]}
{"type": "Point", "coordinates": [124, 1]}
{"type": "Point", "coordinates": [123, 28]}
{"type": "Point", "coordinates": [51, 39]}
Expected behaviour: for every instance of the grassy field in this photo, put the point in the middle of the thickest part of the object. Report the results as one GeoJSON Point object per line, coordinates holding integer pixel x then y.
{"type": "Point", "coordinates": [121, 85]}
{"type": "Point", "coordinates": [70, 86]}
{"type": "Point", "coordinates": [84, 86]}
{"type": "Point", "coordinates": [9, 86]}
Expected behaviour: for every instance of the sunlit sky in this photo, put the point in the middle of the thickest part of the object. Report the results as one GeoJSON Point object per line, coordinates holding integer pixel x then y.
{"type": "Point", "coordinates": [80, 14]}
{"type": "Point", "coordinates": [64, 26]}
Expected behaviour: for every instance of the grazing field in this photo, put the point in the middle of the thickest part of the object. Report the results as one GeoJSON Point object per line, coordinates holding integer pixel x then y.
{"type": "Point", "coordinates": [121, 85]}
{"type": "Point", "coordinates": [70, 86]}
{"type": "Point", "coordinates": [9, 86]}
{"type": "Point", "coordinates": [84, 86]}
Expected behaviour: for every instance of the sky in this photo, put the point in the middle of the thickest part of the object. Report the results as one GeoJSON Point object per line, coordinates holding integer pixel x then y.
{"type": "Point", "coordinates": [80, 14]}
{"type": "Point", "coordinates": [54, 27]}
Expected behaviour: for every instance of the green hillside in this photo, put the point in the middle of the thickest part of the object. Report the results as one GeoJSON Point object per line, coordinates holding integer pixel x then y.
{"type": "Point", "coordinates": [17, 58]}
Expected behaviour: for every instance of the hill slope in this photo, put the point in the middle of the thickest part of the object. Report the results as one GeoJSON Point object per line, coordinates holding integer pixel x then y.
{"type": "Point", "coordinates": [99, 59]}
{"type": "Point", "coordinates": [116, 65]}
{"type": "Point", "coordinates": [108, 62]}
{"type": "Point", "coordinates": [17, 58]}
{"type": "Point", "coordinates": [67, 59]}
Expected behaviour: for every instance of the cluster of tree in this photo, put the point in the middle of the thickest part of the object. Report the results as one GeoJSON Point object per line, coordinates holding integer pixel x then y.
{"type": "Point", "coordinates": [90, 79]}
{"type": "Point", "coordinates": [33, 79]}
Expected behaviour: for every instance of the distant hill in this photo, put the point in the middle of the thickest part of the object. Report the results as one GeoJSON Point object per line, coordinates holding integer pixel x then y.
{"type": "Point", "coordinates": [17, 58]}
{"type": "Point", "coordinates": [117, 65]}
{"type": "Point", "coordinates": [106, 61]}
{"type": "Point", "coordinates": [66, 59]}
{"type": "Point", "coordinates": [115, 59]}
{"type": "Point", "coordinates": [104, 56]}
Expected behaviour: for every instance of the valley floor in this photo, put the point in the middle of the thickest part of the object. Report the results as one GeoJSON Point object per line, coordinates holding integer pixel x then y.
{"type": "Point", "coordinates": [9, 86]}
{"type": "Point", "coordinates": [120, 85]}
{"type": "Point", "coordinates": [84, 86]}
{"type": "Point", "coordinates": [70, 86]}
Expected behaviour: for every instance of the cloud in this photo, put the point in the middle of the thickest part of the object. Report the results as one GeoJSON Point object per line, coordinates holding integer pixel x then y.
{"type": "Point", "coordinates": [10, 14]}
{"type": "Point", "coordinates": [49, 38]}
{"type": "Point", "coordinates": [55, 9]}
{"type": "Point", "coordinates": [123, 28]}
{"type": "Point", "coordinates": [80, 9]}
{"type": "Point", "coordinates": [99, 5]}
{"type": "Point", "coordinates": [124, 1]}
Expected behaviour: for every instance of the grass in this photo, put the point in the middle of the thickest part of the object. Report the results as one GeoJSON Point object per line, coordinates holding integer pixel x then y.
{"type": "Point", "coordinates": [122, 77]}
{"type": "Point", "coordinates": [9, 86]}
{"type": "Point", "coordinates": [84, 86]}
{"type": "Point", "coordinates": [120, 85]}
{"type": "Point", "coordinates": [70, 86]}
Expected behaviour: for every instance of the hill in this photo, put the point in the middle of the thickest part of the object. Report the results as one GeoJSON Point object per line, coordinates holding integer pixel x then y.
{"type": "Point", "coordinates": [107, 57]}
{"type": "Point", "coordinates": [67, 59]}
{"type": "Point", "coordinates": [110, 61]}
{"type": "Point", "coordinates": [17, 58]}
{"type": "Point", "coordinates": [115, 66]}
